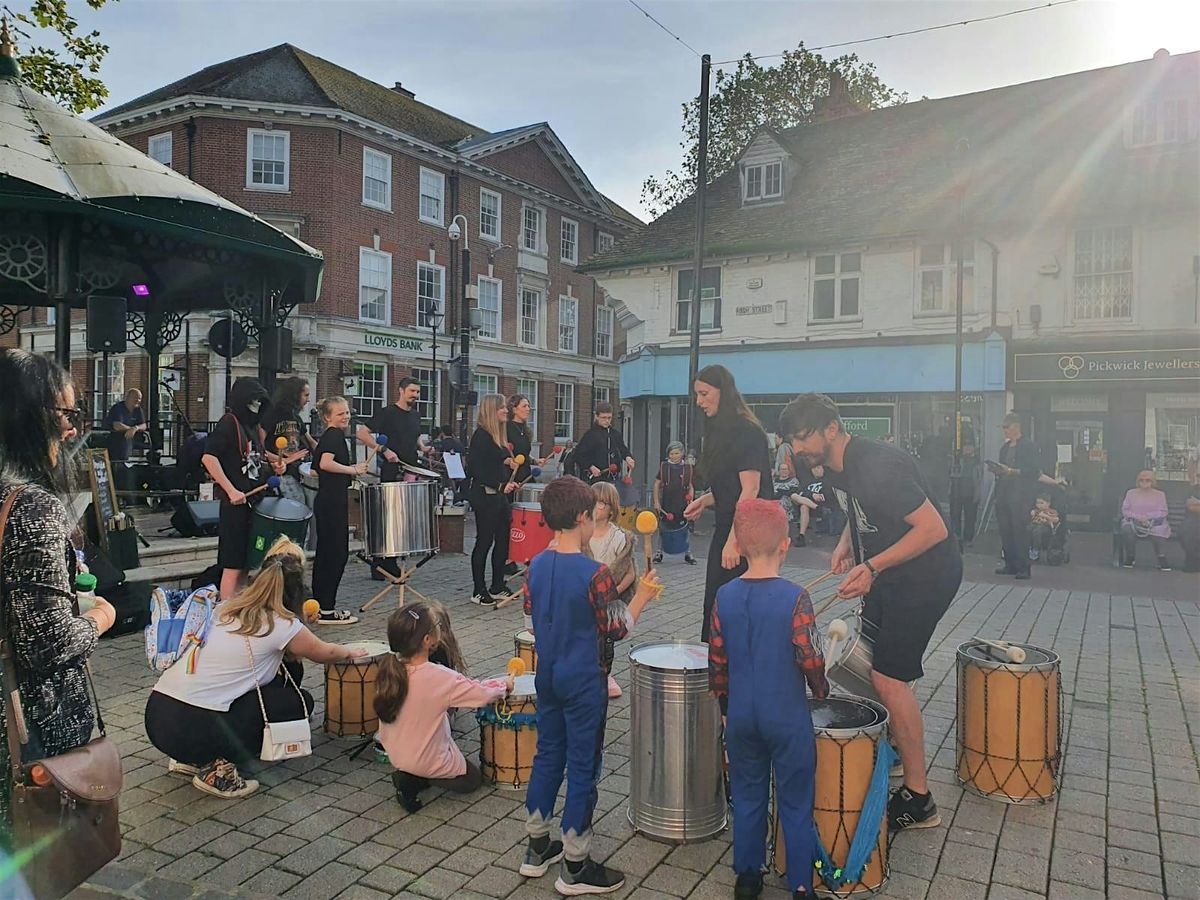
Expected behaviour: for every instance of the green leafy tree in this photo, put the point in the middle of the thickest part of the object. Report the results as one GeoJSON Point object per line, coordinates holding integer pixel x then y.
{"type": "Point", "coordinates": [752, 96]}
{"type": "Point", "coordinates": [56, 58]}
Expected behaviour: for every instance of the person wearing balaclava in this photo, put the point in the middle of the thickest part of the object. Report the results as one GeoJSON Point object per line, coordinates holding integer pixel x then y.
{"type": "Point", "coordinates": [233, 457]}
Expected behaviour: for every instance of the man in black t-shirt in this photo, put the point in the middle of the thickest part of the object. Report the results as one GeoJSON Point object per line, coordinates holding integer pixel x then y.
{"type": "Point", "coordinates": [402, 424]}
{"type": "Point", "coordinates": [1018, 475]}
{"type": "Point", "coordinates": [124, 422]}
{"type": "Point", "coordinates": [897, 554]}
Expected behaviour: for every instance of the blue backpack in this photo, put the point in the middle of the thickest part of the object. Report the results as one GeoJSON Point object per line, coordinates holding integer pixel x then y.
{"type": "Point", "coordinates": [179, 623]}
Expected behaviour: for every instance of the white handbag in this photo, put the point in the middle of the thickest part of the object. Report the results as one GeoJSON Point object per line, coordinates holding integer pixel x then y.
{"type": "Point", "coordinates": [283, 740]}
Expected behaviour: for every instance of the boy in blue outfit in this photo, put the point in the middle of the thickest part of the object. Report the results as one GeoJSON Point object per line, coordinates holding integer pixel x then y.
{"type": "Point", "coordinates": [571, 605]}
{"type": "Point", "coordinates": [763, 649]}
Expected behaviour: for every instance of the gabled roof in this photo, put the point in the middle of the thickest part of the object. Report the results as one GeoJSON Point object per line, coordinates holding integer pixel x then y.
{"type": "Point", "coordinates": [1038, 151]}
{"type": "Point", "coordinates": [287, 74]}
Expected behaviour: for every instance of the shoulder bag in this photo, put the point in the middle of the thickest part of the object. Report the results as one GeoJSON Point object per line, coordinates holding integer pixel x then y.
{"type": "Point", "coordinates": [282, 740]}
{"type": "Point", "coordinates": [64, 809]}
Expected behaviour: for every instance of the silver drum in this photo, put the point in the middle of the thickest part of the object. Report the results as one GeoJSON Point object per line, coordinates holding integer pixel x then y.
{"type": "Point", "coordinates": [398, 518]}
{"type": "Point", "coordinates": [530, 495]}
{"type": "Point", "coordinates": [849, 665]}
{"type": "Point", "coordinates": [676, 790]}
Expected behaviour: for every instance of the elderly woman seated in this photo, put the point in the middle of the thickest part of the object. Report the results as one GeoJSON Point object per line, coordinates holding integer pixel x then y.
{"type": "Point", "coordinates": [1144, 517]}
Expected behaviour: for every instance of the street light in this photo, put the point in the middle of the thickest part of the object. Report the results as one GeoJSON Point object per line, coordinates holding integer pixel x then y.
{"type": "Point", "coordinates": [464, 319]}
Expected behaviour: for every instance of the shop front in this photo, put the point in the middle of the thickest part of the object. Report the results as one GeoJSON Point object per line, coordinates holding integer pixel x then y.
{"type": "Point", "coordinates": [1100, 415]}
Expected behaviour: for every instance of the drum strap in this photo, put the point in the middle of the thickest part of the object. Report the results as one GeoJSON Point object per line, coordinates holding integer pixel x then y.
{"type": "Point", "coordinates": [866, 834]}
{"type": "Point", "coordinates": [855, 537]}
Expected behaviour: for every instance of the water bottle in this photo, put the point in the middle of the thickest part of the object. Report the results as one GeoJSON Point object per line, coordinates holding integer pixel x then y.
{"type": "Point", "coordinates": [85, 591]}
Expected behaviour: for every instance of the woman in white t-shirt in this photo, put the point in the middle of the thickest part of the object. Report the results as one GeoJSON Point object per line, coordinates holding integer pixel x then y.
{"type": "Point", "coordinates": [209, 721]}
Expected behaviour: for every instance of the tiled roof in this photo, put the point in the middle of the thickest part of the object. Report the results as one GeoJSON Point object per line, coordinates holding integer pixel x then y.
{"type": "Point", "coordinates": [1043, 149]}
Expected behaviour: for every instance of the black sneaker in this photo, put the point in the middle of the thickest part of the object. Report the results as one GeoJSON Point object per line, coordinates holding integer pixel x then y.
{"type": "Point", "coordinates": [500, 590]}
{"type": "Point", "coordinates": [1163, 565]}
{"type": "Point", "coordinates": [588, 877]}
{"type": "Point", "coordinates": [512, 569]}
{"type": "Point", "coordinates": [658, 557]}
{"type": "Point", "coordinates": [689, 559]}
{"type": "Point", "coordinates": [483, 598]}
{"type": "Point", "coordinates": [337, 617]}
{"type": "Point", "coordinates": [801, 541]}
{"type": "Point", "coordinates": [908, 810]}
{"type": "Point", "coordinates": [407, 788]}
{"type": "Point", "coordinates": [537, 862]}
{"type": "Point", "coordinates": [749, 886]}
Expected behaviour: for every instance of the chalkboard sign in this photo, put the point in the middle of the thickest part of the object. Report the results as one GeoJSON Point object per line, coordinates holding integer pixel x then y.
{"type": "Point", "coordinates": [104, 491]}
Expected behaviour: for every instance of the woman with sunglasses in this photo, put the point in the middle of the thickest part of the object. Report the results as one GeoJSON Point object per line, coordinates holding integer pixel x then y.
{"type": "Point", "coordinates": [51, 641]}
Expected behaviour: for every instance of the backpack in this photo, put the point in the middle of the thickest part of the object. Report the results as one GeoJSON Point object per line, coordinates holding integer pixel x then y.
{"type": "Point", "coordinates": [179, 621]}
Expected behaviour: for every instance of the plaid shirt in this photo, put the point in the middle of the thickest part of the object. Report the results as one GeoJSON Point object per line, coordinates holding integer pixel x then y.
{"type": "Point", "coordinates": [603, 598]}
{"type": "Point", "coordinates": [805, 642]}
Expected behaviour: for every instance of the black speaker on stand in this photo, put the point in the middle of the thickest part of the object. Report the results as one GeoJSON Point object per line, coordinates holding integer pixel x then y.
{"type": "Point", "coordinates": [106, 324]}
{"type": "Point", "coordinates": [275, 348]}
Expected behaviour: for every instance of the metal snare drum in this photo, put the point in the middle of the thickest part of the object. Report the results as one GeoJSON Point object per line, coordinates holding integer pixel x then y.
{"type": "Point", "coordinates": [530, 494]}
{"type": "Point", "coordinates": [398, 518]}
{"type": "Point", "coordinates": [849, 663]}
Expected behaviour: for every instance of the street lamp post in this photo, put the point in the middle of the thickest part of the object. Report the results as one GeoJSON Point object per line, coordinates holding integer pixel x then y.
{"type": "Point", "coordinates": [435, 319]}
{"type": "Point", "coordinates": [464, 319]}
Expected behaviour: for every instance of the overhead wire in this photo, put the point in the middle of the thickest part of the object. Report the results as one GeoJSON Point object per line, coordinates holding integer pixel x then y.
{"type": "Point", "coordinates": [665, 28]}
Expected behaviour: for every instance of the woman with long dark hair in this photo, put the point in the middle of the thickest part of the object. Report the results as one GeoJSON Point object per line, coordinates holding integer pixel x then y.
{"type": "Point", "coordinates": [520, 435]}
{"type": "Point", "coordinates": [285, 420]}
{"type": "Point", "coordinates": [51, 641]}
{"type": "Point", "coordinates": [737, 466]}
{"type": "Point", "coordinates": [490, 466]}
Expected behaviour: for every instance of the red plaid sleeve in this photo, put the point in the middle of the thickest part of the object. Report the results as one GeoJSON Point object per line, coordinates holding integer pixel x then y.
{"type": "Point", "coordinates": [602, 594]}
{"type": "Point", "coordinates": [807, 644]}
{"type": "Point", "coordinates": [718, 662]}
{"type": "Point", "coordinates": [528, 603]}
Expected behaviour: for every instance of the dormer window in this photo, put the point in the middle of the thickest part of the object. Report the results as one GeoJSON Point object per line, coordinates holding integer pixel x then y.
{"type": "Point", "coordinates": [763, 182]}
{"type": "Point", "coordinates": [1163, 121]}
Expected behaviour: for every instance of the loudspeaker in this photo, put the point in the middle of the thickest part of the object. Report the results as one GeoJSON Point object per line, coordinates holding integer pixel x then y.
{"type": "Point", "coordinates": [106, 324]}
{"type": "Point", "coordinates": [197, 518]}
{"type": "Point", "coordinates": [227, 338]}
{"type": "Point", "coordinates": [275, 349]}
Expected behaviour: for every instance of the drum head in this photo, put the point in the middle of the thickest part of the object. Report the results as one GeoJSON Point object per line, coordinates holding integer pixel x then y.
{"type": "Point", "coordinates": [525, 637]}
{"type": "Point", "coordinates": [835, 713]}
{"type": "Point", "coordinates": [670, 657]}
{"type": "Point", "coordinates": [419, 472]}
{"type": "Point", "coordinates": [375, 649]}
{"type": "Point", "coordinates": [282, 509]}
{"type": "Point", "coordinates": [1035, 657]}
{"type": "Point", "coordinates": [523, 687]}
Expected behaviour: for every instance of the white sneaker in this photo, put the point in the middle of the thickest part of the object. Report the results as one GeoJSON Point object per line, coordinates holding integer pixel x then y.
{"type": "Point", "coordinates": [175, 767]}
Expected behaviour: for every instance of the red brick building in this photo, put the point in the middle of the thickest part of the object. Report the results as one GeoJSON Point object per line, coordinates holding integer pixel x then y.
{"type": "Point", "coordinates": [373, 178]}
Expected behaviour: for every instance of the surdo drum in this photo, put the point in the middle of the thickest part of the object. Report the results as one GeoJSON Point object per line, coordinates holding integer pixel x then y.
{"type": "Point", "coordinates": [525, 650]}
{"type": "Point", "coordinates": [529, 534]}
{"type": "Point", "coordinates": [508, 735]}
{"type": "Point", "coordinates": [398, 518]}
{"type": "Point", "coordinates": [1009, 723]}
{"type": "Point", "coordinates": [272, 518]}
{"type": "Point", "coordinates": [350, 692]}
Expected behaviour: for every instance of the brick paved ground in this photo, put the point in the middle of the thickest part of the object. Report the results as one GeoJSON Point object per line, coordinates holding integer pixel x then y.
{"type": "Point", "coordinates": [1127, 824]}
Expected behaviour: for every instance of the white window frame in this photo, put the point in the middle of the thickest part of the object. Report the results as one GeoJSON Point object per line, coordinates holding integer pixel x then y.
{"type": "Point", "coordinates": [371, 155]}
{"type": "Point", "coordinates": [426, 402]}
{"type": "Point", "coordinates": [712, 301]}
{"type": "Point", "coordinates": [485, 383]}
{"type": "Point", "coordinates": [440, 197]}
{"type": "Point", "coordinates": [1099, 276]}
{"type": "Point", "coordinates": [483, 334]}
{"type": "Point", "coordinates": [537, 318]}
{"type": "Point", "coordinates": [365, 253]}
{"type": "Point", "coordinates": [603, 394]}
{"type": "Point", "coordinates": [565, 226]}
{"type": "Point", "coordinates": [605, 314]}
{"type": "Point", "coordinates": [287, 225]}
{"type": "Point", "coordinates": [439, 300]}
{"type": "Point", "coordinates": [837, 276]}
{"type": "Point", "coordinates": [167, 138]}
{"type": "Point", "coordinates": [539, 237]}
{"type": "Point", "coordinates": [251, 184]}
{"type": "Point", "coordinates": [529, 387]}
{"type": "Point", "coordinates": [379, 373]}
{"type": "Point", "coordinates": [759, 175]}
{"type": "Point", "coordinates": [568, 324]}
{"type": "Point", "coordinates": [946, 272]}
{"type": "Point", "coordinates": [499, 214]}
{"type": "Point", "coordinates": [564, 416]}
{"type": "Point", "coordinates": [605, 241]}
{"type": "Point", "coordinates": [116, 383]}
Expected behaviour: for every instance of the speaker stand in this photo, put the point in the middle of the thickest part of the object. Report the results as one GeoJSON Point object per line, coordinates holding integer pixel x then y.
{"type": "Point", "coordinates": [397, 582]}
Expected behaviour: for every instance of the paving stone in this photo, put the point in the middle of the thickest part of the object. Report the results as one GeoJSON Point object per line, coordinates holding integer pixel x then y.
{"type": "Point", "coordinates": [496, 882]}
{"type": "Point", "coordinates": [325, 883]}
{"type": "Point", "coordinates": [164, 889]}
{"type": "Point", "coordinates": [437, 883]}
{"type": "Point", "coordinates": [314, 854]}
{"type": "Point", "coordinates": [388, 879]}
{"type": "Point", "coordinates": [361, 892]}
{"type": "Point", "coordinates": [240, 868]}
{"type": "Point", "coordinates": [639, 856]}
{"type": "Point", "coordinates": [418, 859]}
{"type": "Point", "coordinates": [672, 880]}
{"type": "Point", "coordinates": [369, 855]}
{"type": "Point", "coordinates": [468, 860]}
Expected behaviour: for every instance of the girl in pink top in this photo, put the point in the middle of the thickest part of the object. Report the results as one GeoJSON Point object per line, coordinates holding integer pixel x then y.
{"type": "Point", "coordinates": [413, 698]}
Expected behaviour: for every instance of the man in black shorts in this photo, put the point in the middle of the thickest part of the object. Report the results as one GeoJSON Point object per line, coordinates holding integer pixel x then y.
{"type": "Point", "coordinates": [897, 553]}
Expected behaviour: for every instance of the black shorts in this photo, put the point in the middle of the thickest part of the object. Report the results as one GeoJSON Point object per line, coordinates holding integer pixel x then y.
{"type": "Point", "coordinates": [901, 617]}
{"type": "Point", "coordinates": [234, 537]}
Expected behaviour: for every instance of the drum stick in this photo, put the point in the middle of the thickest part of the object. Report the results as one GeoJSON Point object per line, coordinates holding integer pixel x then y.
{"type": "Point", "coordinates": [837, 631]}
{"type": "Point", "coordinates": [380, 445]}
{"type": "Point", "coordinates": [1011, 654]}
{"type": "Point", "coordinates": [272, 482]}
{"type": "Point", "coordinates": [519, 460]}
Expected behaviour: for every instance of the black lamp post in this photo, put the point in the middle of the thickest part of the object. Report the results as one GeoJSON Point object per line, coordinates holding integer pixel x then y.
{"type": "Point", "coordinates": [434, 318]}
{"type": "Point", "coordinates": [464, 320]}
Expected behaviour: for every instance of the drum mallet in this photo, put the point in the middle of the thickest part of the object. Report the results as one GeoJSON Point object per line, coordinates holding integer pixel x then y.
{"type": "Point", "coordinates": [518, 461]}
{"type": "Point", "coordinates": [273, 482]}
{"type": "Point", "coordinates": [1012, 654]}
{"type": "Point", "coordinates": [646, 524]}
{"type": "Point", "coordinates": [380, 445]}
{"type": "Point", "coordinates": [534, 472]}
{"type": "Point", "coordinates": [837, 630]}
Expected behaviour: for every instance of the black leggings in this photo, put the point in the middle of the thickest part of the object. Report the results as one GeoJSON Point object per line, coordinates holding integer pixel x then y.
{"type": "Point", "coordinates": [333, 548]}
{"type": "Point", "coordinates": [493, 519]}
{"type": "Point", "coordinates": [197, 736]}
{"type": "Point", "coordinates": [716, 576]}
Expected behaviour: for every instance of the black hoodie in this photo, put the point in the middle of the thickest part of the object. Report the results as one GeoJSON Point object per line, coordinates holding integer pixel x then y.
{"type": "Point", "coordinates": [600, 447]}
{"type": "Point", "coordinates": [235, 441]}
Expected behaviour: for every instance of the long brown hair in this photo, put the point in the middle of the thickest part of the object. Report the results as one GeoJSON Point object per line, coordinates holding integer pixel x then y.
{"type": "Point", "coordinates": [407, 628]}
{"type": "Point", "coordinates": [730, 408]}
{"type": "Point", "coordinates": [278, 585]}
{"type": "Point", "coordinates": [489, 420]}
{"type": "Point", "coordinates": [447, 641]}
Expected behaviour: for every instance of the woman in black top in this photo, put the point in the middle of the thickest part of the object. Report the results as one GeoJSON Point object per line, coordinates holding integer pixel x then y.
{"type": "Point", "coordinates": [490, 466]}
{"type": "Point", "coordinates": [283, 420]}
{"type": "Point", "coordinates": [737, 465]}
{"type": "Point", "coordinates": [520, 437]}
{"type": "Point", "coordinates": [331, 509]}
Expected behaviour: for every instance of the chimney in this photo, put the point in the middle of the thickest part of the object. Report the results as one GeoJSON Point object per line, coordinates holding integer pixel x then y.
{"type": "Point", "coordinates": [401, 89]}
{"type": "Point", "coordinates": [838, 103]}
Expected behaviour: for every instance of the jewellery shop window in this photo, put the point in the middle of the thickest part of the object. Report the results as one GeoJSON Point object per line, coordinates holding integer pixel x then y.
{"type": "Point", "coordinates": [1172, 434]}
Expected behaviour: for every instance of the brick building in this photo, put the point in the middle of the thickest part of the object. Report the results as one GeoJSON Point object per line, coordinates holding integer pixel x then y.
{"type": "Point", "coordinates": [373, 178]}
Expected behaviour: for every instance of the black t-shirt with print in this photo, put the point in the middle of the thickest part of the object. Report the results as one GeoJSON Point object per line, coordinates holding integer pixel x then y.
{"type": "Point", "coordinates": [884, 485]}
{"type": "Point", "coordinates": [745, 451]}
{"type": "Point", "coordinates": [279, 423]}
{"type": "Point", "coordinates": [403, 428]}
{"type": "Point", "coordinates": [239, 452]}
{"type": "Point", "coordinates": [333, 486]}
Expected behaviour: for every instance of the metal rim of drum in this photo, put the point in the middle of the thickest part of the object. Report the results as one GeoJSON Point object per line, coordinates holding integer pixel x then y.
{"type": "Point", "coordinates": [525, 504]}
{"type": "Point", "coordinates": [524, 690]}
{"type": "Point", "coordinates": [983, 660]}
{"type": "Point", "coordinates": [880, 723]}
{"type": "Point", "coordinates": [673, 645]}
{"type": "Point", "coordinates": [273, 502]}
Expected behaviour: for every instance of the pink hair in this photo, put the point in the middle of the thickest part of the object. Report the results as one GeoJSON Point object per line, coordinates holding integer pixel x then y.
{"type": "Point", "coordinates": [760, 526]}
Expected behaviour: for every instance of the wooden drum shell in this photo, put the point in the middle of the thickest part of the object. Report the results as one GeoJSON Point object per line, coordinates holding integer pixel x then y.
{"type": "Point", "coordinates": [506, 750]}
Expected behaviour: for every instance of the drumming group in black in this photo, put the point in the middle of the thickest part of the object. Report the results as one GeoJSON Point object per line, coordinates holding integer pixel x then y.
{"type": "Point", "coordinates": [895, 555]}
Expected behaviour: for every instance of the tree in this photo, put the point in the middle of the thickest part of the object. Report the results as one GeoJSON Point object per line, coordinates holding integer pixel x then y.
{"type": "Point", "coordinates": [753, 96]}
{"type": "Point", "coordinates": [67, 72]}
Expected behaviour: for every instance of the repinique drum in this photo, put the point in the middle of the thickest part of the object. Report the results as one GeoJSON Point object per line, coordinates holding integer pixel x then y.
{"type": "Point", "coordinates": [529, 534]}
{"type": "Point", "coordinates": [350, 692]}
{"type": "Point", "coordinates": [508, 735]}
{"type": "Point", "coordinates": [1009, 723]}
{"type": "Point", "coordinates": [674, 540]}
{"type": "Point", "coordinates": [849, 733]}
{"type": "Point", "coordinates": [848, 664]}
{"type": "Point", "coordinates": [275, 517]}
{"type": "Point", "coordinates": [676, 780]}
{"type": "Point", "coordinates": [531, 494]}
{"type": "Point", "coordinates": [398, 518]}
{"type": "Point", "coordinates": [524, 650]}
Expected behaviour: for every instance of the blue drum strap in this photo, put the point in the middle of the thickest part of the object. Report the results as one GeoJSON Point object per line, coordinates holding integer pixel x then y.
{"type": "Point", "coordinates": [867, 831]}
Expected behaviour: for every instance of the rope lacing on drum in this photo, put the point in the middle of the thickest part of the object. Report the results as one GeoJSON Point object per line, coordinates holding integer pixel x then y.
{"type": "Point", "coordinates": [866, 834]}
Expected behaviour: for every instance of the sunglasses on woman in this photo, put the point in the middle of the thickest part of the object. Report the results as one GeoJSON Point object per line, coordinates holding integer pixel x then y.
{"type": "Point", "coordinates": [73, 415]}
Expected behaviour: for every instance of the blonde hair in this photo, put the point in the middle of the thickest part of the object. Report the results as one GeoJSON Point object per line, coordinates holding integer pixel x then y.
{"type": "Point", "coordinates": [607, 494]}
{"type": "Point", "coordinates": [448, 641]}
{"type": "Point", "coordinates": [326, 407]}
{"type": "Point", "coordinates": [256, 607]}
{"type": "Point", "coordinates": [489, 418]}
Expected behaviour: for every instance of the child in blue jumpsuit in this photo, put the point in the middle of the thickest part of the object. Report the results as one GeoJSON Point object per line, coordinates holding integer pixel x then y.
{"type": "Point", "coordinates": [763, 649]}
{"type": "Point", "coordinates": [571, 605]}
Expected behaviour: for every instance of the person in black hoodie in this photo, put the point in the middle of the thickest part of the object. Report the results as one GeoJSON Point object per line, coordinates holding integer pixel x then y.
{"type": "Point", "coordinates": [601, 449]}
{"type": "Point", "coordinates": [234, 459]}
{"type": "Point", "coordinates": [490, 466]}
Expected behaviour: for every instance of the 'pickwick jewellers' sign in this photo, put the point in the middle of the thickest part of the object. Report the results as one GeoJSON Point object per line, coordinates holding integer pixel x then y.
{"type": "Point", "coordinates": [1106, 365]}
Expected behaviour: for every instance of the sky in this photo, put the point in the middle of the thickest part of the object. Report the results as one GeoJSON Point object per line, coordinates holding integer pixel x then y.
{"type": "Point", "coordinates": [608, 80]}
